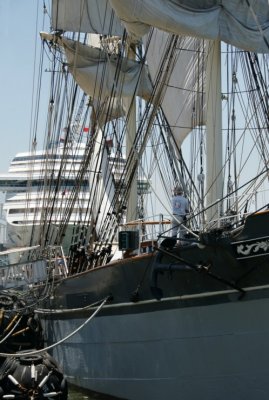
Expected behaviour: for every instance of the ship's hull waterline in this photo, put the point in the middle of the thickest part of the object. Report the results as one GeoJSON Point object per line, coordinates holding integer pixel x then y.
{"type": "Point", "coordinates": [206, 344]}
{"type": "Point", "coordinates": [212, 351]}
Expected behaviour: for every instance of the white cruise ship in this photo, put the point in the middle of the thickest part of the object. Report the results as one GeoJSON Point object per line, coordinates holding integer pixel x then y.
{"type": "Point", "coordinates": [44, 201]}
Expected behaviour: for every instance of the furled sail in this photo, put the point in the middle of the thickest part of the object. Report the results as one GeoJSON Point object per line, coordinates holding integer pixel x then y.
{"type": "Point", "coordinates": [88, 16]}
{"type": "Point", "coordinates": [244, 24]}
{"type": "Point", "coordinates": [106, 78]}
{"type": "Point", "coordinates": [184, 100]}
{"type": "Point", "coordinates": [101, 74]}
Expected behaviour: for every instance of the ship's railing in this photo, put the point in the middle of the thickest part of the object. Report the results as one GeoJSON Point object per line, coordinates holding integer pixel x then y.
{"type": "Point", "coordinates": [240, 207]}
{"type": "Point", "coordinates": [150, 227]}
{"type": "Point", "coordinates": [157, 227]}
{"type": "Point", "coordinates": [20, 267]}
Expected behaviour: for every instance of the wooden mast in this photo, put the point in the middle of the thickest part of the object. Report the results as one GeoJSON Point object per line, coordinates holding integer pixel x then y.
{"type": "Point", "coordinates": [130, 105]}
{"type": "Point", "coordinates": [214, 178]}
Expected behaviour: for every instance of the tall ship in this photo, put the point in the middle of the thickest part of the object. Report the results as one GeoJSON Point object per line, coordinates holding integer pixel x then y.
{"type": "Point", "coordinates": [152, 305]}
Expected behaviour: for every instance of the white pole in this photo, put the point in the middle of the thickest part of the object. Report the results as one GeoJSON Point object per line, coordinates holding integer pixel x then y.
{"type": "Point", "coordinates": [130, 137]}
{"type": "Point", "coordinates": [214, 179]}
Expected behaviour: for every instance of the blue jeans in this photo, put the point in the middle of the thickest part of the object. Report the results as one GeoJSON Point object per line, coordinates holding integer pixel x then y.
{"type": "Point", "coordinates": [177, 228]}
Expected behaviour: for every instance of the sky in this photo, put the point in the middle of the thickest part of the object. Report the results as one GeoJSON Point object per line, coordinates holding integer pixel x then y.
{"type": "Point", "coordinates": [20, 23]}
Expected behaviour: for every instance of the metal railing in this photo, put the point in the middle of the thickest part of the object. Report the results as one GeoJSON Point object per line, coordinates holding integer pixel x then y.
{"type": "Point", "coordinates": [22, 267]}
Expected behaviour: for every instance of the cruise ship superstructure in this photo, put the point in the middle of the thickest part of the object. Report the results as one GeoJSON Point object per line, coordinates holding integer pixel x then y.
{"type": "Point", "coordinates": [42, 193]}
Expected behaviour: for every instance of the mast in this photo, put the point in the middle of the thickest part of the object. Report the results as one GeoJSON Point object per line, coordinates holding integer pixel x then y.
{"type": "Point", "coordinates": [214, 131]}
{"type": "Point", "coordinates": [130, 105]}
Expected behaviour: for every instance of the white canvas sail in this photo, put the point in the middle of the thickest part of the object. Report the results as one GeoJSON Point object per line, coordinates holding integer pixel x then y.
{"type": "Point", "coordinates": [106, 78]}
{"type": "Point", "coordinates": [244, 24]}
{"type": "Point", "coordinates": [101, 74]}
{"type": "Point", "coordinates": [88, 16]}
{"type": "Point", "coordinates": [183, 98]}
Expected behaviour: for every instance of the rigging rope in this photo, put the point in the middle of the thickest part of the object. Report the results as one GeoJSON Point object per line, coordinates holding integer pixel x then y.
{"type": "Point", "coordinates": [31, 353]}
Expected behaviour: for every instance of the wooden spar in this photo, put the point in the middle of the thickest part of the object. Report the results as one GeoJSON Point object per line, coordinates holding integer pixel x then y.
{"type": "Point", "coordinates": [134, 223]}
{"type": "Point", "coordinates": [214, 133]}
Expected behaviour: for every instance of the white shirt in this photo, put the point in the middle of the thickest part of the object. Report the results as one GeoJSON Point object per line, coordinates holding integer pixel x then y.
{"type": "Point", "coordinates": [180, 205]}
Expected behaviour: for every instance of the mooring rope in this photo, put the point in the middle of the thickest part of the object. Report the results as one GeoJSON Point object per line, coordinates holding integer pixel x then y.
{"type": "Point", "coordinates": [31, 353]}
{"type": "Point", "coordinates": [46, 311]}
